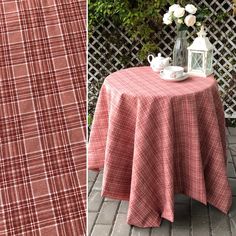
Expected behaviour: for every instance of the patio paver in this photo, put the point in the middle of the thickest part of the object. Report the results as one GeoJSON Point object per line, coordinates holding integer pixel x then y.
{"type": "Point", "coordinates": [108, 217]}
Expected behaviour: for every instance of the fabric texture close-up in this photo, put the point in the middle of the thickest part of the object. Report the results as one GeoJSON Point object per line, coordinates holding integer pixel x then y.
{"type": "Point", "coordinates": [42, 117]}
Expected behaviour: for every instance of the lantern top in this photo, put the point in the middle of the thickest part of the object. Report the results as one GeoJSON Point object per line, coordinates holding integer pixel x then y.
{"type": "Point", "coordinates": [201, 43]}
{"type": "Point", "coordinates": [202, 32]}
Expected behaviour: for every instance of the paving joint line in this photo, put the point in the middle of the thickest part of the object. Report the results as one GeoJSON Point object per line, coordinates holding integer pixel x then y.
{"type": "Point", "coordinates": [209, 218]}
{"type": "Point", "coordinates": [89, 192]}
{"type": "Point", "coordinates": [191, 218]}
{"type": "Point", "coordinates": [114, 220]}
{"type": "Point", "coordinates": [95, 220]}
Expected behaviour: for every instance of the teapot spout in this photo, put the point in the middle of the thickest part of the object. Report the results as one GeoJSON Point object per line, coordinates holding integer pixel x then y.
{"type": "Point", "coordinates": [166, 60]}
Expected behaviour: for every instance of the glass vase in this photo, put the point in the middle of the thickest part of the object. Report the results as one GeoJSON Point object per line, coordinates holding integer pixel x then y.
{"type": "Point", "coordinates": [180, 52]}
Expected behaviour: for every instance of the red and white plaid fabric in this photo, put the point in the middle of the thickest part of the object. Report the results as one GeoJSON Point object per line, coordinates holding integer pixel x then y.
{"type": "Point", "coordinates": [156, 138]}
{"type": "Point", "coordinates": [42, 117]}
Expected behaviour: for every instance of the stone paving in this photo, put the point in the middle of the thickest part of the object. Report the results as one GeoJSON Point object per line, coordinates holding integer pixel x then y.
{"type": "Point", "coordinates": [108, 217]}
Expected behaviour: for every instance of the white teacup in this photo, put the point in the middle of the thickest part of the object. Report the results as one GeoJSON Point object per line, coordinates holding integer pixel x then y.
{"type": "Point", "coordinates": [172, 72]}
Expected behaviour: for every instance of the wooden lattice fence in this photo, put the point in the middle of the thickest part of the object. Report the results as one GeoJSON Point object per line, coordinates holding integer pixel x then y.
{"type": "Point", "coordinates": [110, 49]}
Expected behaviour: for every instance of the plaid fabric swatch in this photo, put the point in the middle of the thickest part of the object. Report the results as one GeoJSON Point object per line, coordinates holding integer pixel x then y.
{"type": "Point", "coordinates": [42, 117]}
{"type": "Point", "coordinates": [156, 138]}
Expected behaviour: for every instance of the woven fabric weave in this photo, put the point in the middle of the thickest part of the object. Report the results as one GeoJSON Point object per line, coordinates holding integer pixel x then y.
{"type": "Point", "coordinates": [157, 138]}
{"type": "Point", "coordinates": [42, 117]}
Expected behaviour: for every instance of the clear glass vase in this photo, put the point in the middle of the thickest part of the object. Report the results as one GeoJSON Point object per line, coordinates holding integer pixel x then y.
{"type": "Point", "coordinates": [180, 52]}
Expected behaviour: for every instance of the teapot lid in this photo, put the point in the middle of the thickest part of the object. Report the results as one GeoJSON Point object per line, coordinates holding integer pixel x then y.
{"type": "Point", "coordinates": [159, 56]}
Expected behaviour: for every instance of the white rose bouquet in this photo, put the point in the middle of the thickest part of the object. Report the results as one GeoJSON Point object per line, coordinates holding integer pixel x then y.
{"type": "Point", "coordinates": [183, 17]}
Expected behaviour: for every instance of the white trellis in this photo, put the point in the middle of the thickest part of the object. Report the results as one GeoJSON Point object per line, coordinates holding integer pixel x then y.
{"type": "Point", "coordinates": [104, 56]}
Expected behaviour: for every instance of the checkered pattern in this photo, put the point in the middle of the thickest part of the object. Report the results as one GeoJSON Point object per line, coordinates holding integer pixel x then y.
{"type": "Point", "coordinates": [156, 138]}
{"type": "Point", "coordinates": [42, 117]}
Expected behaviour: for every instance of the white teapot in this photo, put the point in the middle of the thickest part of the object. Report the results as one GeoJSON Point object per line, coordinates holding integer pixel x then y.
{"type": "Point", "coordinates": [158, 63]}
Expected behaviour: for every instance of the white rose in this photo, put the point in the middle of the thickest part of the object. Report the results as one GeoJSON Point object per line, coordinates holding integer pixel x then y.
{"type": "Point", "coordinates": [179, 12]}
{"type": "Point", "coordinates": [167, 16]}
{"type": "Point", "coordinates": [167, 19]}
{"type": "Point", "coordinates": [191, 9]}
{"type": "Point", "coordinates": [167, 22]}
{"type": "Point", "coordinates": [180, 21]}
{"type": "Point", "coordinates": [173, 7]}
{"type": "Point", "coordinates": [190, 20]}
{"type": "Point", "coordinates": [198, 23]}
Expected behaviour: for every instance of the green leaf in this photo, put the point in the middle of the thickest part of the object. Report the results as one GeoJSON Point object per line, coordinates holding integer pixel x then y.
{"type": "Point", "coordinates": [89, 120]}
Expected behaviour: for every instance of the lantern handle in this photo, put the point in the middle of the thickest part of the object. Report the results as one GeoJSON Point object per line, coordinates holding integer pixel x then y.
{"type": "Point", "coordinates": [202, 32]}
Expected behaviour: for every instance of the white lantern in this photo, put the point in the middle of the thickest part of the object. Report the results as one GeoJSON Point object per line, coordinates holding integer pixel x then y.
{"type": "Point", "coordinates": [200, 55]}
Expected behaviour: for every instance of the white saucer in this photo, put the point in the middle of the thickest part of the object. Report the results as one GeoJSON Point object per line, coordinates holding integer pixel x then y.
{"type": "Point", "coordinates": [184, 77]}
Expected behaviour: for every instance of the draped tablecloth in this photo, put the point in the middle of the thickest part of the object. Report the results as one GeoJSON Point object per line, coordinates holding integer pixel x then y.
{"type": "Point", "coordinates": [157, 138]}
{"type": "Point", "coordinates": [42, 117]}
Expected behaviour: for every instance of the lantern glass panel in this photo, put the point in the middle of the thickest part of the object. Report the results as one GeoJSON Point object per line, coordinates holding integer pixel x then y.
{"type": "Point", "coordinates": [209, 59]}
{"type": "Point", "coordinates": [197, 61]}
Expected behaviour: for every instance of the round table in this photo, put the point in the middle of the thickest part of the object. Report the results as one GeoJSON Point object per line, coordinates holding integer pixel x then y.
{"type": "Point", "coordinates": [157, 138]}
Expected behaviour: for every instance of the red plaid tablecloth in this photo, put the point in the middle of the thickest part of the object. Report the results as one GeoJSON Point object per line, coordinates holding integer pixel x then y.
{"type": "Point", "coordinates": [156, 138]}
{"type": "Point", "coordinates": [42, 117]}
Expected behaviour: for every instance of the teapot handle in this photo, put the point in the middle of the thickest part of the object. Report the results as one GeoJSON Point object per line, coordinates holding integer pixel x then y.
{"type": "Point", "coordinates": [150, 58]}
